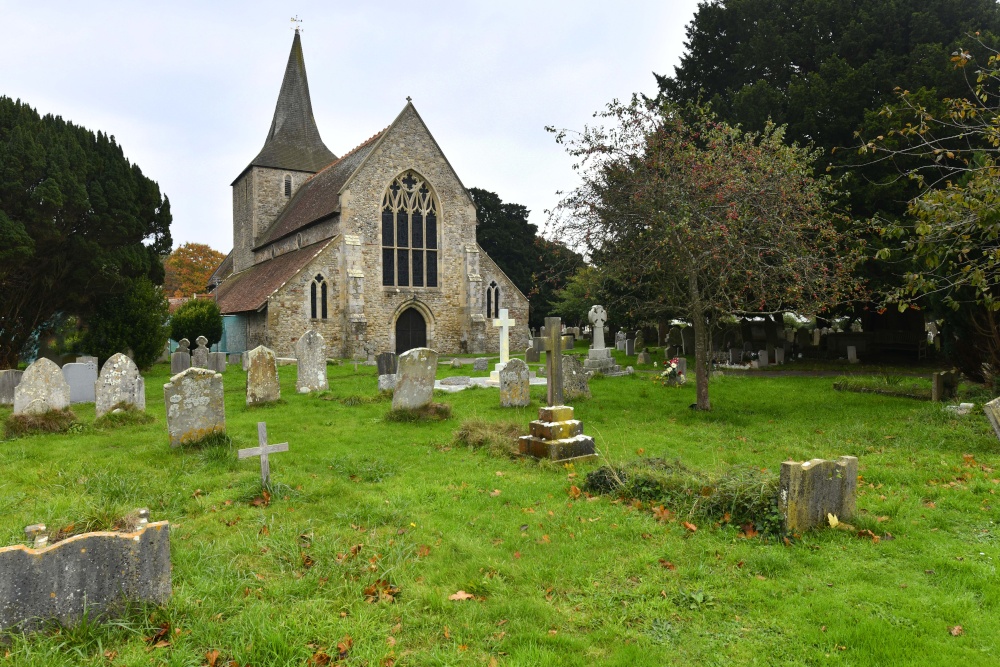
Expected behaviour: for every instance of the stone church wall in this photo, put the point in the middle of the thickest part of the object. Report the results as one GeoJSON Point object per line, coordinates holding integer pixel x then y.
{"type": "Point", "coordinates": [511, 299]}
{"type": "Point", "coordinates": [314, 234]}
{"type": "Point", "coordinates": [289, 310]}
{"type": "Point", "coordinates": [258, 199]}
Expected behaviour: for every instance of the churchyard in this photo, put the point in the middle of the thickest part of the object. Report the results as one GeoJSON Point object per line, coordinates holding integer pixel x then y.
{"type": "Point", "coordinates": [386, 542]}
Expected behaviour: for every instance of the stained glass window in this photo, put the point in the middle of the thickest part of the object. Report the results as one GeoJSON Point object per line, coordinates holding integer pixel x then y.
{"type": "Point", "coordinates": [409, 233]}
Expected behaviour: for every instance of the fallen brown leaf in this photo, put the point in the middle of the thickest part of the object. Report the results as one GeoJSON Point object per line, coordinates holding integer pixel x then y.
{"type": "Point", "coordinates": [667, 564]}
{"type": "Point", "coordinates": [423, 551]}
{"type": "Point", "coordinates": [689, 526]}
{"type": "Point", "coordinates": [461, 595]}
{"type": "Point", "coordinates": [956, 631]}
{"type": "Point", "coordinates": [343, 646]}
{"type": "Point", "coordinates": [574, 492]}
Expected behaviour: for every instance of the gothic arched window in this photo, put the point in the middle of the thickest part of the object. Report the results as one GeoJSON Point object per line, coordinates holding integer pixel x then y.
{"type": "Point", "coordinates": [409, 233]}
{"type": "Point", "coordinates": [288, 186]}
{"type": "Point", "coordinates": [317, 298]}
{"type": "Point", "coordinates": [493, 300]}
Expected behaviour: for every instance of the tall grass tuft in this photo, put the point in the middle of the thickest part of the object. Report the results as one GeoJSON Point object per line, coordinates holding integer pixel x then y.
{"type": "Point", "coordinates": [499, 439]}
{"type": "Point", "coordinates": [53, 421]}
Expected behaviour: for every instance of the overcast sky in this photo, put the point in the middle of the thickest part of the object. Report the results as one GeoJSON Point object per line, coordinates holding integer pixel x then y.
{"type": "Point", "coordinates": [188, 89]}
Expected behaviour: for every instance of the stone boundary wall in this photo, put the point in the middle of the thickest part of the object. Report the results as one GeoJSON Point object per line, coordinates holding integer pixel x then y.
{"type": "Point", "coordinates": [92, 571]}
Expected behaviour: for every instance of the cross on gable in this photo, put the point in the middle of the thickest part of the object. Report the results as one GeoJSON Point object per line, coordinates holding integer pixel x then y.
{"type": "Point", "coordinates": [262, 451]}
{"type": "Point", "coordinates": [552, 346]}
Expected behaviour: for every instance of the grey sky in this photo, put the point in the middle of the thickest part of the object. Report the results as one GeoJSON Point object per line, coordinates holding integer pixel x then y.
{"type": "Point", "coordinates": [188, 89]}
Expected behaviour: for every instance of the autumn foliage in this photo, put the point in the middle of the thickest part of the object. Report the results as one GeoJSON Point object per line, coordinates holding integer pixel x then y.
{"type": "Point", "coordinates": [188, 269]}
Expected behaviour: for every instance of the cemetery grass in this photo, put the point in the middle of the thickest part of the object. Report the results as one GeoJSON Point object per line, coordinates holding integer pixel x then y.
{"type": "Point", "coordinates": [550, 578]}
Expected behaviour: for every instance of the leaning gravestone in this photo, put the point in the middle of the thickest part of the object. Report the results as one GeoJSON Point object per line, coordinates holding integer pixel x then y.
{"type": "Point", "coordinates": [531, 355]}
{"type": "Point", "coordinates": [310, 351]}
{"type": "Point", "coordinates": [387, 363]}
{"type": "Point", "coordinates": [415, 379]}
{"type": "Point", "coordinates": [262, 377]}
{"type": "Point", "coordinates": [9, 380]}
{"type": "Point", "coordinates": [481, 364]}
{"type": "Point", "coordinates": [81, 378]}
{"type": "Point", "coordinates": [119, 382]}
{"type": "Point", "coordinates": [515, 384]}
{"type": "Point", "coordinates": [992, 410]}
{"type": "Point", "coordinates": [180, 360]}
{"type": "Point", "coordinates": [42, 389]}
{"type": "Point", "coordinates": [576, 380]}
{"type": "Point", "coordinates": [195, 406]}
{"type": "Point", "coordinates": [199, 357]}
{"type": "Point", "coordinates": [810, 491]}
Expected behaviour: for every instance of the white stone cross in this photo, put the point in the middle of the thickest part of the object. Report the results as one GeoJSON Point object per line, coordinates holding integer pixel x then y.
{"type": "Point", "coordinates": [262, 451]}
{"type": "Point", "coordinates": [505, 324]}
{"type": "Point", "coordinates": [598, 316]}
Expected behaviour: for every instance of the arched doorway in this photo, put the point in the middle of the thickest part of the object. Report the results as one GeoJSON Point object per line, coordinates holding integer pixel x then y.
{"type": "Point", "coordinates": [411, 331]}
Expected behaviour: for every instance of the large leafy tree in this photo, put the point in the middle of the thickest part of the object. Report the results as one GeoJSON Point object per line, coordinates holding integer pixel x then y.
{"type": "Point", "coordinates": [537, 266]}
{"type": "Point", "coordinates": [78, 222]}
{"type": "Point", "coordinates": [703, 218]}
{"type": "Point", "coordinates": [134, 320]}
{"type": "Point", "coordinates": [188, 269]}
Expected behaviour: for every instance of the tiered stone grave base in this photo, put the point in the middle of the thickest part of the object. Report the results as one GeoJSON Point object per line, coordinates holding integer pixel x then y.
{"type": "Point", "coordinates": [601, 361]}
{"type": "Point", "coordinates": [557, 436]}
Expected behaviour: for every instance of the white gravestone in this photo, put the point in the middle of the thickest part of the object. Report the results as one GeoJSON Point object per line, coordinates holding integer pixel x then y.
{"type": "Point", "coordinates": [504, 323]}
{"type": "Point", "coordinates": [42, 388]}
{"type": "Point", "coordinates": [310, 351]}
{"type": "Point", "coordinates": [81, 378]}
{"type": "Point", "coordinates": [599, 356]}
{"type": "Point", "coordinates": [119, 382]}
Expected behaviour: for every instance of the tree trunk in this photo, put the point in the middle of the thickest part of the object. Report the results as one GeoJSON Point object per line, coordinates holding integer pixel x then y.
{"type": "Point", "coordinates": [700, 347]}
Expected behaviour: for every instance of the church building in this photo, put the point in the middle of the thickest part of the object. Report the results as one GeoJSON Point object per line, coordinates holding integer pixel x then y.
{"type": "Point", "coordinates": [376, 250]}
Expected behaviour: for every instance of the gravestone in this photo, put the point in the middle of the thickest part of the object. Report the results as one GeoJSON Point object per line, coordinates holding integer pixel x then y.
{"type": "Point", "coordinates": [992, 410]}
{"type": "Point", "coordinates": [644, 358]}
{"type": "Point", "coordinates": [640, 340]}
{"type": "Point", "coordinates": [599, 357]}
{"type": "Point", "coordinates": [86, 359]}
{"type": "Point", "coordinates": [217, 361]}
{"type": "Point", "coordinates": [810, 491]}
{"type": "Point", "coordinates": [262, 377]}
{"type": "Point", "coordinates": [515, 384]}
{"type": "Point", "coordinates": [687, 339]}
{"type": "Point", "coordinates": [310, 353]}
{"type": "Point", "coordinates": [944, 385]}
{"type": "Point", "coordinates": [199, 357]}
{"type": "Point", "coordinates": [119, 382]}
{"type": "Point", "coordinates": [9, 379]}
{"type": "Point", "coordinates": [682, 365]}
{"type": "Point", "coordinates": [576, 380]}
{"type": "Point", "coordinates": [195, 406]}
{"type": "Point", "coordinates": [387, 382]}
{"type": "Point", "coordinates": [555, 434]}
{"type": "Point", "coordinates": [180, 360]}
{"type": "Point", "coordinates": [675, 343]}
{"type": "Point", "coordinates": [629, 346]}
{"type": "Point", "coordinates": [735, 356]}
{"type": "Point", "coordinates": [816, 339]}
{"type": "Point", "coordinates": [852, 354]}
{"type": "Point", "coordinates": [387, 363]}
{"type": "Point", "coordinates": [802, 338]}
{"type": "Point", "coordinates": [620, 341]}
{"type": "Point", "coordinates": [42, 388]}
{"type": "Point", "coordinates": [481, 364]}
{"type": "Point", "coordinates": [504, 323]}
{"type": "Point", "coordinates": [456, 381]}
{"type": "Point", "coordinates": [263, 450]}
{"type": "Point", "coordinates": [531, 355]}
{"type": "Point", "coordinates": [456, 363]}
{"type": "Point", "coordinates": [779, 355]}
{"type": "Point", "coordinates": [235, 358]}
{"type": "Point", "coordinates": [762, 359]}
{"type": "Point", "coordinates": [81, 378]}
{"type": "Point", "coordinates": [415, 379]}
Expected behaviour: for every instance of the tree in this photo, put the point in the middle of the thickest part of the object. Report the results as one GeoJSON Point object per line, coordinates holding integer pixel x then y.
{"type": "Point", "coordinates": [188, 268]}
{"type": "Point", "coordinates": [78, 223]}
{"type": "Point", "coordinates": [135, 320]}
{"type": "Point", "coordinates": [710, 220]}
{"type": "Point", "coordinates": [537, 266]}
{"type": "Point", "coordinates": [197, 317]}
{"type": "Point", "coordinates": [582, 291]}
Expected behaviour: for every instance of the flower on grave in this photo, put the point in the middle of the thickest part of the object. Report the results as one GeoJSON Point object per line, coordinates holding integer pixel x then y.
{"type": "Point", "coordinates": [671, 377]}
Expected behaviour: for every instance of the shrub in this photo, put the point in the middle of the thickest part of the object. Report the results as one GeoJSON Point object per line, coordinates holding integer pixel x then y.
{"type": "Point", "coordinates": [198, 317]}
{"type": "Point", "coordinates": [134, 320]}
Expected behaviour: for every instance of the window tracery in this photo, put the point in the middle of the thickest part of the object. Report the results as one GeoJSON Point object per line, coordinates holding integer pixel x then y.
{"type": "Point", "coordinates": [409, 233]}
{"type": "Point", "coordinates": [493, 300]}
{"type": "Point", "coordinates": [317, 298]}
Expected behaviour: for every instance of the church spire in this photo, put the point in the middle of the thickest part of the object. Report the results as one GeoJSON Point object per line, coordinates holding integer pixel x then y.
{"type": "Point", "coordinates": [293, 141]}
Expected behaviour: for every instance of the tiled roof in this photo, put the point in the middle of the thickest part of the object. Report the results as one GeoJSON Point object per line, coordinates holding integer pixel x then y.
{"type": "Point", "coordinates": [318, 198]}
{"type": "Point", "coordinates": [248, 290]}
{"type": "Point", "coordinates": [223, 271]}
{"type": "Point", "coordinates": [293, 142]}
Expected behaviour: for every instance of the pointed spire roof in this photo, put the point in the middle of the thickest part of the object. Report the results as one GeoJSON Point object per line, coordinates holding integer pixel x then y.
{"type": "Point", "coordinates": [293, 141]}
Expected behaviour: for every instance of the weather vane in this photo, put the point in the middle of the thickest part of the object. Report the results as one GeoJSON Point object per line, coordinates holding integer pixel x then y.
{"type": "Point", "coordinates": [296, 23]}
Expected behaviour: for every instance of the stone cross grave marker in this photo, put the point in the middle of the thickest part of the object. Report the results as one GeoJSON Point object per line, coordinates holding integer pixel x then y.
{"type": "Point", "coordinates": [199, 358]}
{"type": "Point", "coordinates": [504, 323]}
{"type": "Point", "coordinates": [263, 450]}
{"type": "Point", "coordinates": [551, 345]}
{"type": "Point", "coordinates": [598, 316]}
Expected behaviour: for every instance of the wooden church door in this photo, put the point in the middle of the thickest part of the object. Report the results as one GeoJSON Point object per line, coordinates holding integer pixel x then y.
{"type": "Point", "coordinates": [411, 331]}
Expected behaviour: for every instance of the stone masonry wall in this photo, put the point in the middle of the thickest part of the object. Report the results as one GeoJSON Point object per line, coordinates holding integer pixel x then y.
{"type": "Point", "coordinates": [258, 199]}
{"type": "Point", "coordinates": [511, 299]}
{"type": "Point", "coordinates": [314, 234]}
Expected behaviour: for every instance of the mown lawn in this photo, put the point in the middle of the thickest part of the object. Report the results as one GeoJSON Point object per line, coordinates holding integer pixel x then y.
{"type": "Point", "coordinates": [556, 580]}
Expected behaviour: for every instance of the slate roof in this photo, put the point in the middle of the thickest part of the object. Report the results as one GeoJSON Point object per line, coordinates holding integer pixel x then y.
{"type": "Point", "coordinates": [222, 272]}
{"type": "Point", "coordinates": [248, 290]}
{"type": "Point", "coordinates": [318, 199]}
{"type": "Point", "coordinates": [293, 141]}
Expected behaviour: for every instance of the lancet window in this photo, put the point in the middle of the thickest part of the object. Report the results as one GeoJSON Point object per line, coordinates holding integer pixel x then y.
{"type": "Point", "coordinates": [317, 298]}
{"type": "Point", "coordinates": [493, 300]}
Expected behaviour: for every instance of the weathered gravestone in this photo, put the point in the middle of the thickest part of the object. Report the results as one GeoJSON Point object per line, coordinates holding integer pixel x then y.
{"type": "Point", "coordinates": [531, 355]}
{"type": "Point", "coordinates": [81, 378]}
{"type": "Point", "coordinates": [195, 406]}
{"type": "Point", "coordinates": [387, 382]}
{"type": "Point", "coordinates": [217, 361]}
{"type": "Point", "coordinates": [644, 358]}
{"type": "Point", "coordinates": [687, 339]}
{"type": "Point", "coordinates": [457, 381]}
{"type": "Point", "coordinates": [640, 340]}
{"type": "Point", "coordinates": [9, 379]}
{"type": "Point", "coordinates": [456, 363]}
{"type": "Point", "coordinates": [119, 382]}
{"type": "Point", "coordinates": [263, 450]}
{"type": "Point", "coordinates": [555, 434]}
{"type": "Point", "coordinates": [387, 363]}
{"type": "Point", "coordinates": [84, 574]}
{"type": "Point", "coordinates": [992, 410]}
{"type": "Point", "coordinates": [620, 341]}
{"type": "Point", "coordinates": [629, 346]}
{"type": "Point", "coordinates": [515, 384]}
{"type": "Point", "coordinates": [235, 358]}
{"type": "Point", "coordinates": [42, 388]}
{"type": "Point", "coordinates": [310, 352]}
{"type": "Point", "coordinates": [481, 364]}
{"type": "Point", "coordinates": [415, 379]}
{"type": "Point", "coordinates": [576, 380]}
{"type": "Point", "coordinates": [944, 385]}
{"type": "Point", "coordinates": [809, 491]}
{"type": "Point", "coordinates": [199, 356]}
{"type": "Point", "coordinates": [262, 377]}
{"type": "Point", "coordinates": [180, 360]}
